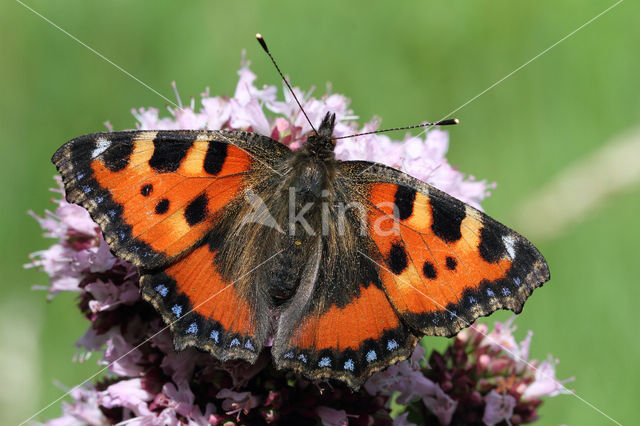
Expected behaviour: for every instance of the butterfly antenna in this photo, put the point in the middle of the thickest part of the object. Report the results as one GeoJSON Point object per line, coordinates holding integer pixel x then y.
{"type": "Point", "coordinates": [448, 122]}
{"type": "Point", "coordinates": [266, 49]}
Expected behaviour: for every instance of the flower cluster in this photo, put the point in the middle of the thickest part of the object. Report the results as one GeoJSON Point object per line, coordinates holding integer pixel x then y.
{"type": "Point", "coordinates": [481, 377]}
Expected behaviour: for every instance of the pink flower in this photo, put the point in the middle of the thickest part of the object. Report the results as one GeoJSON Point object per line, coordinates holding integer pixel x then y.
{"type": "Point", "coordinates": [217, 112]}
{"type": "Point", "coordinates": [73, 220]}
{"type": "Point", "coordinates": [105, 296]}
{"type": "Point", "coordinates": [236, 403]}
{"type": "Point", "coordinates": [404, 377]}
{"type": "Point", "coordinates": [246, 104]}
{"type": "Point", "coordinates": [180, 400]}
{"type": "Point", "coordinates": [100, 258]}
{"type": "Point", "coordinates": [91, 340]}
{"type": "Point", "coordinates": [545, 383]}
{"type": "Point", "coordinates": [247, 92]}
{"type": "Point", "coordinates": [439, 403]}
{"type": "Point", "coordinates": [407, 381]}
{"type": "Point", "coordinates": [149, 119]}
{"type": "Point", "coordinates": [83, 411]}
{"type": "Point", "coordinates": [59, 263]}
{"type": "Point", "coordinates": [127, 393]}
{"type": "Point", "coordinates": [499, 408]}
{"type": "Point", "coordinates": [417, 356]}
{"type": "Point", "coordinates": [289, 108]}
{"type": "Point", "coordinates": [180, 365]}
{"type": "Point", "coordinates": [122, 358]}
{"type": "Point", "coordinates": [79, 248]}
{"type": "Point", "coordinates": [187, 118]}
{"type": "Point", "coordinates": [502, 339]}
{"type": "Point", "coordinates": [331, 417]}
{"type": "Point", "coordinates": [249, 115]}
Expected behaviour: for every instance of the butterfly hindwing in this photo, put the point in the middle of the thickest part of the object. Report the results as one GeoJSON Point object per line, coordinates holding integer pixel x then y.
{"type": "Point", "coordinates": [351, 342]}
{"type": "Point", "coordinates": [204, 309]}
{"type": "Point", "coordinates": [348, 329]}
{"type": "Point", "coordinates": [442, 263]}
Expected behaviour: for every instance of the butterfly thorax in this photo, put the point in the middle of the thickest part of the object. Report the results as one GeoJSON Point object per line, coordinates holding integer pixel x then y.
{"type": "Point", "coordinates": [313, 167]}
{"type": "Point", "coordinates": [310, 177]}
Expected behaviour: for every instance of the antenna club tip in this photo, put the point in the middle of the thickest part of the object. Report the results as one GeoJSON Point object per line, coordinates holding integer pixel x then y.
{"type": "Point", "coordinates": [448, 122]}
{"type": "Point", "coordinates": [262, 42]}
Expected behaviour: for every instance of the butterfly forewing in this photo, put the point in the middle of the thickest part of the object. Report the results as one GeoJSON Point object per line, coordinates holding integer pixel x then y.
{"type": "Point", "coordinates": [442, 262]}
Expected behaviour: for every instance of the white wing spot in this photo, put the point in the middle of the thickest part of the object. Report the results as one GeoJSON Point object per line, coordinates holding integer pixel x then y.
{"type": "Point", "coordinates": [101, 146]}
{"type": "Point", "coordinates": [509, 243]}
{"type": "Point", "coordinates": [371, 356]}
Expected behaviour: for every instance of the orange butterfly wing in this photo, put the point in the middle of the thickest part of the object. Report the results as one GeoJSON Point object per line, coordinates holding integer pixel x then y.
{"type": "Point", "coordinates": [157, 197]}
{"type": "Point", "coordinates": [442, 263]}
{"type": "Point", "coordinates": [153, 193]}
{"type": "Point", "coordinates": [204, 309]}
{"type": "Point", "coordinates": [348, 342]}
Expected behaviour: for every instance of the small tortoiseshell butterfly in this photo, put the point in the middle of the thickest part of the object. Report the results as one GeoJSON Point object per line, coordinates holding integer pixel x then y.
{"type": "Point", "coordinates": [344, 264]}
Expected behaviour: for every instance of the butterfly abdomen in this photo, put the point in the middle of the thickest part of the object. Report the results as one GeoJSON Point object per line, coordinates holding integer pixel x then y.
{"type": "Point", "coordinates": [284, 273]}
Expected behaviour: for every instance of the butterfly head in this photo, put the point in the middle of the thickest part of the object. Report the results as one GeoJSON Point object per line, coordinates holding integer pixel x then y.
{"type": "Point", "coordinates": [321, 144]}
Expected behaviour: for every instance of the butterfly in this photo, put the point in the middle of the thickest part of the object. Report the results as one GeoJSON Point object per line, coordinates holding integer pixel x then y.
{"type": "Point", "coordinates": [339, 266]}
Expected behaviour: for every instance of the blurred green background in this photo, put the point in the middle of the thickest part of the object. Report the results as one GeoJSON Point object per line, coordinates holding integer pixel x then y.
{"type": "Point", "coordinates": [403, 61]}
